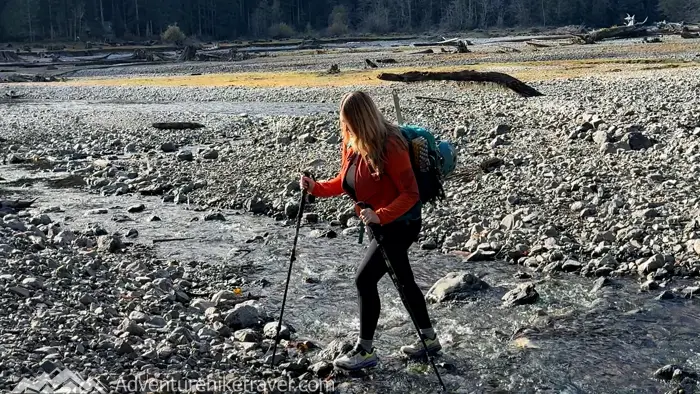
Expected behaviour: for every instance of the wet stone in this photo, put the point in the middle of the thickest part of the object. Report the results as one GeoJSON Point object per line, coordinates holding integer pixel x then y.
{"type": "Point", "coordinates": [270, 330]}
{"type": "Point", "coordinates": [665, 295]}
{"type": "Point", "coordinates": [215, 216]}
{"type": "Point", "coordinates": [246, 335]}
{"type": "Point", "coordinates": [136, 208]}
{"type": "Point", "coordinates": [690, 291]}
{"type": "Point", "coordinates": [522, 295]}
{"type": "Point", "coordinates": [455, 286]}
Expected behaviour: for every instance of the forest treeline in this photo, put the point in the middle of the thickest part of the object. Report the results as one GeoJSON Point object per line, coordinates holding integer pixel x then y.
{"type": "Point", "coordinates": [41, 20]}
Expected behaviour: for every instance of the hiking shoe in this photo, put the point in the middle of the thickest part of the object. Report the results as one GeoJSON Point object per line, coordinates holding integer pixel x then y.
{"type": "Point", "coordinates": [357, 358]}
{"type": "Point", "coordinates": [416, 349]}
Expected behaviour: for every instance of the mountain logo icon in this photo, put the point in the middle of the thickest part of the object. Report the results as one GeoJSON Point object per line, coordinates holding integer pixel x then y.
{"type": "Point", "coordinates": [59, 381]}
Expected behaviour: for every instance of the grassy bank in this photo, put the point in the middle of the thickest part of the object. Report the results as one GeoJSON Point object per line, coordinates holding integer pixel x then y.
{"type": "Point", "coordinates": [525, 71]}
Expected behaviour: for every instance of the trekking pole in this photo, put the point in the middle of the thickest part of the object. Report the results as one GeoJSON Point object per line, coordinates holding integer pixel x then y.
{"type": "Point", "coordinates": [378, 236]}
{"type": "Point", "coordinates": [293, 257]}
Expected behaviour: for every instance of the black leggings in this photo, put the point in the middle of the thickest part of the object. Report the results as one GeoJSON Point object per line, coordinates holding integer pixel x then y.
{"type": "Point", "coordinates": [398, 237]}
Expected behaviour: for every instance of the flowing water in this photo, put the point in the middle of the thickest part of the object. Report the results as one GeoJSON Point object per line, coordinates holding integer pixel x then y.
{"type": "Point", "coordinates": [209, 107]}
{"type": "Point", "coordinates": [573, 340]}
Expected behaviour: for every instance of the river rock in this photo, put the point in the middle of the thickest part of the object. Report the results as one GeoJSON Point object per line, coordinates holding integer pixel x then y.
{"type": "Point", "coordinates": [637, 141]}
{"type": "Point", "coordinates": [521, 295]}
{"type": "Point", "coordinates": [222, 296]}
{"type": "Point", "coordinates": [455, 286]}
{"type": "Point", "coordinates": [696, 246]}
{"type": "Point", "coordinates": [109, 243]}
{"type": "Point", "coordinates": [652, 264]}
{"type": "Point", "coordinates": [246, 335]}
{"type": "Point", "coordinates": [600, 283]}
{"type": "Point", "coordinates": [690, 291]}
{"type": "Point", "coordinates": [20, 291]}
{"type": "Point", "coordinates": [256, 205]}
{"type": "Point", "coordinates": [210, 154]}
{"type": "Point", "coordinates": [675, 372]}
{"type": "Point", "coordinates": [665, 295]}
{"type": "Point", "coordinates": [168, 147]}
{"type": "Point", "coordinates": [215, 216]}
{"type": "Point", "coordinates": [270, 330]}
{"type": "Point", "coordinates": [136, 208]}
{"type": "Point", "coordinates": [185, 155]}
{"type": "Point", "coordinates": [334, 349]}
{"type": "Point", "coordinates": [291, 209]}
{"type": "Point", "coordinates": [247, 314]}
{"type": "Point", "coordinates": [501, 129]}
{"type": "Point", "coordinates": [321, 369]}
{"type": "Point", "coordinates": [131, 327]}
{"type": "Point", "coordinates": [123, 347]}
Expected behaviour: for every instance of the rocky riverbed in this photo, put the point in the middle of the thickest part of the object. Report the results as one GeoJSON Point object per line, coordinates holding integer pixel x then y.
{"type": "Point", "coordinates": [578, 210]}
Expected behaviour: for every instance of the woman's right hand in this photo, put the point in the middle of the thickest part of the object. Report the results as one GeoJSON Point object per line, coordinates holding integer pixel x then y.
{"type": "Point", "coordinates": [307, 183]}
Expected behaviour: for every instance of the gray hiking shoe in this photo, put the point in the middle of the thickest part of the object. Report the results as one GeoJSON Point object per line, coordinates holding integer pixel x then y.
{"type": "Point", "coordinates": [357, 358]}
{"type": "Point", "coordinates": [416, 349]}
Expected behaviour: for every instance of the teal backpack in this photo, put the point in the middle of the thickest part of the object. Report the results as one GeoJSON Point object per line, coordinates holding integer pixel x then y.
{"type": "Point", "coordinates": [432, 161]}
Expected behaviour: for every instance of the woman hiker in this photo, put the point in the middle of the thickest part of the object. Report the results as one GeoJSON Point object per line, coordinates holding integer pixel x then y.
{"type": "Point", "coordinates": [376, 169]}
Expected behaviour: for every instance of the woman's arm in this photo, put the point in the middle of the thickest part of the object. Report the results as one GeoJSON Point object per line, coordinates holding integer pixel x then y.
{"type": "Point", "coordinates": [401, 173]}
{"type": "Point", "coordinates": [332, 187]}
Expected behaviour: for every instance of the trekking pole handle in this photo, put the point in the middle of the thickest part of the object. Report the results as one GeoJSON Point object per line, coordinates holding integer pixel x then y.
{"type": "Point", "coordinates": [372, 226]}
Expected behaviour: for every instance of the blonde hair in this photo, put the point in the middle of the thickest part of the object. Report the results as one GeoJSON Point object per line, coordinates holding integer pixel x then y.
{"type": "Point", "coordinates": [368, 130]}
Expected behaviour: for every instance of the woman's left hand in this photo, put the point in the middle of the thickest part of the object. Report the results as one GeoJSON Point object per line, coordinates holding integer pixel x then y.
{"type": "Point", "coordinates": [369, 216]}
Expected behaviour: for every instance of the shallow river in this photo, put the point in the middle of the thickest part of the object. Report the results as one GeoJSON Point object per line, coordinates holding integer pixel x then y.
{"type": "Point", "coordinates": [608, 341]}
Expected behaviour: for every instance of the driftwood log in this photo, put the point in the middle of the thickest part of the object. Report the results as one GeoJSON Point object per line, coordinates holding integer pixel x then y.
{"type": "Point", "coordinates": [370, 63]}
{"type": "Point", "coordinates": [537, 44]}
{"type": "Point", "coordinates": [177, 125]}
{"type": "Point", "coordinates": [9, 206]}
{"type": "Point", "coordinates": [462, 45]}
{"type": "Point", "coordinates": [502, 79]}
{"type": "Point", "coordinates": [614, 32]}
{"type": "Point", "coordinates": [687, 34]}
{"type": "Point", "coordinates": [436, 99]}
{"type": "Point", "coordinates": [188, 54]}
{"type": "Point", "coordinates": [9, 57]}
{"type": "Point", "coordinates": [21, 78]}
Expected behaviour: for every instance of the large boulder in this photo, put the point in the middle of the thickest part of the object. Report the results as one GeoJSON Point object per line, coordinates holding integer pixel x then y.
{"type": "Point", "coordinates": [455, 286]}
{"type": "Point", "coordinates": [247, 314]}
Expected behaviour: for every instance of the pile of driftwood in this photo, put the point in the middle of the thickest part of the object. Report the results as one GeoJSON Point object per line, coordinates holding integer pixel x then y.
{"type": "Point", "coordinates": [191, 53]}
{"type": "Point", "coordinates": [634, 30]}
{"type": "Point", "coordinates": [631, 29]}
{"type": "Point", "coordinates": [461, 45]}
{"type": "Point", "coordinates": [9, 57]}
{"type": "Point", "coordinates": [21, 78]}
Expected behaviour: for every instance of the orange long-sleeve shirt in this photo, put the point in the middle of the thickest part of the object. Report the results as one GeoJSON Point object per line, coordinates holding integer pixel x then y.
{"type": "Point", "coordinates": [391, 195]}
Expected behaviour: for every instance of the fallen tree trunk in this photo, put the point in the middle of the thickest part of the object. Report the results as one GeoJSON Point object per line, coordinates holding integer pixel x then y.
{"type": "Point", "coordinates": [537, 44]}
{"type": "Point", "coordinates": [436, 99]}
{"type": "Point", "coordinates": [9, 206]}
{"type": "Point", "coordinates": [515, 40]}
{"type": "Point", "coordinates": [22, 78]}
{"type": "Point", "coordinates": [460, 44]}
{"type": "Point", "coordinates": [9, 57]}
{"type": "Point", "coordinates": [465, 76]}
{"type": "Point", "coordinates": [188, 54]}
{"type": "Point", "coordinates": [177, 125]}
{"type": "Point", "coordinates": [614, 32]}
{"type": "Point", "coordinates": [687, 34]}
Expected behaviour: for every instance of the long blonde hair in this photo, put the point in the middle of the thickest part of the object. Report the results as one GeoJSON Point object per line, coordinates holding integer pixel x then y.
{"type": "Point", "coordinates": [369, 131]}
